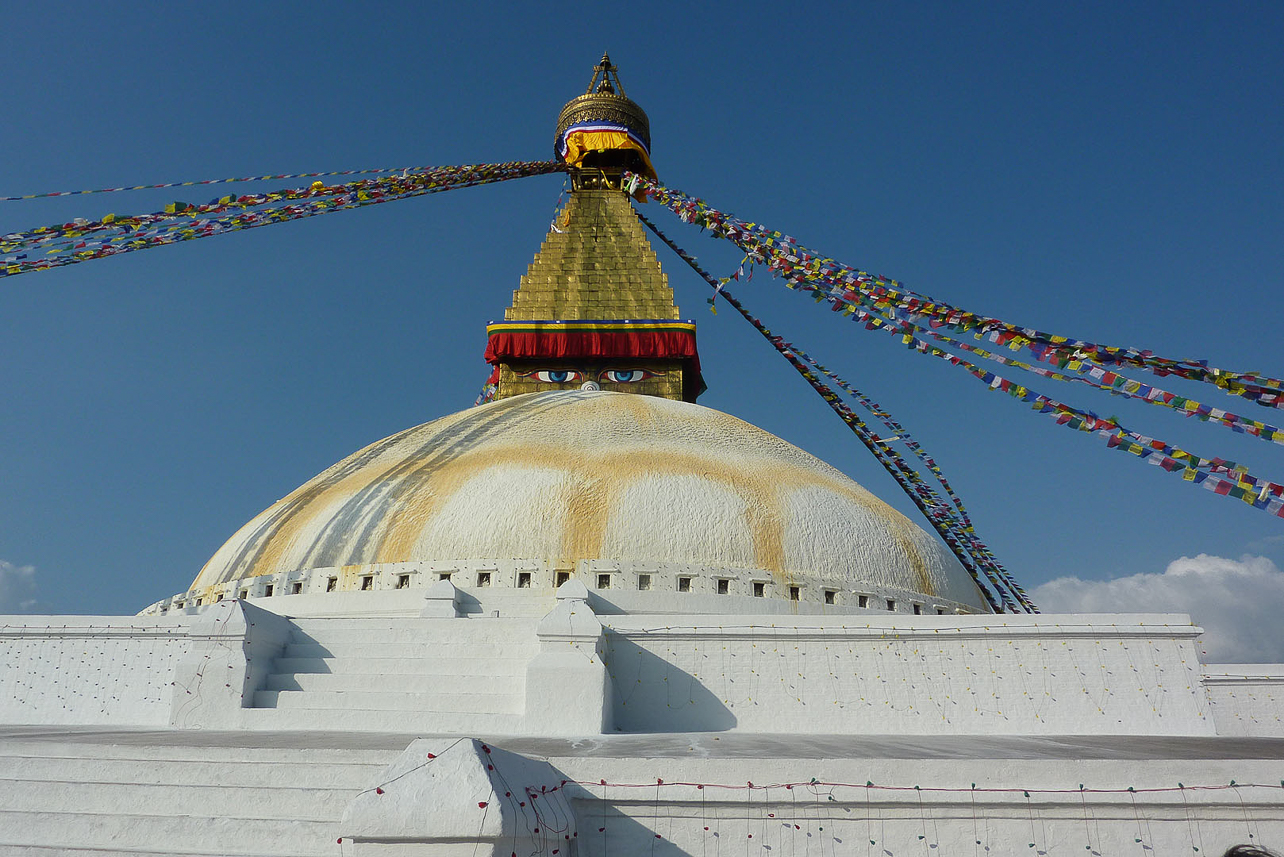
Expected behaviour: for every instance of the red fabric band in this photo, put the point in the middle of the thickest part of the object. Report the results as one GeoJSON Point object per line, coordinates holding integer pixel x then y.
{"type": "Point", "coordinates": [507, 345]}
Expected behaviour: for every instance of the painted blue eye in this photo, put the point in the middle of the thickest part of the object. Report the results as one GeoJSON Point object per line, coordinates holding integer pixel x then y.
{"type": "Point", "coordinates": [627, 376]}
{"type": "Point", "coordinates": [556, 376]}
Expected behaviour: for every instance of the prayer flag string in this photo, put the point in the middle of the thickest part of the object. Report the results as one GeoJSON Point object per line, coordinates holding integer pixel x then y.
{"type": "Point", "coordinates": [909, 336]}
{"type": "Point", "coordinates": [849, 292]}
{"type": "Point", "coordinates": [953, 525]}
{"type": "Point", "coordinates": [1095, 375]}
{"type": "Point", "coordinates": [1089, 372]}
{"type": "Point", "coordinates": [805, 269]}
{"type": "Point", "coordinates": [213, 181]}
{"type": "Point", "coordinates": [1253, 490]}
{"type": "Point", "coordinates": [81, 240]}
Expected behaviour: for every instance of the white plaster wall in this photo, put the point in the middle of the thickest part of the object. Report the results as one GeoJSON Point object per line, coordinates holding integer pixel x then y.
{"type": "Point", "coordinates": [648, 809]}
{"type": "Point", "coordinates": [464, 797]}
{"type": "Point", "coordinates": [142, 792]}
{"type": "Point", "coordinates": [197, 670]}
{"type": "Point", "coordinates": [89, 669]}
{"type": "Point", "coordinates": [1021, 675]}
{"type": "Point", "coordinates": [213, 795]}
{"type": "Point", "coordinates": [889, 673]}
{"type": "Point", "coordinates": [1030, 798]}
{"type": "Point", "coordinates": [1246, 699]}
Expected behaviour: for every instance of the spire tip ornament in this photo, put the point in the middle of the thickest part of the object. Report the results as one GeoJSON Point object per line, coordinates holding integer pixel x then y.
{"type": "Point", "coordinates": [602, 74]}
{"type": "Point", "coordinates": [603, 133]}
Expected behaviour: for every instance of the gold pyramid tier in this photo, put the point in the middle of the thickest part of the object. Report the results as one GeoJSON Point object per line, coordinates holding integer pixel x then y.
{"type": "Point", "coordinates": [599, 266]}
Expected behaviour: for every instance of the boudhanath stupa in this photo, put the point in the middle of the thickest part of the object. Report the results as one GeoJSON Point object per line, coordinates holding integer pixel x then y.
{"type": "Point", "coordinates": [593, 617]}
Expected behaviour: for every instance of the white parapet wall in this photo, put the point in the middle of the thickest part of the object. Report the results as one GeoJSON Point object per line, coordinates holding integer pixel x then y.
{"type": "Point", "coordinates": [1102, 674]}
{"type": "Point", "coordinates": [136, 670]}
{"type": "Point", "coordinates": [665, 796]}
{"type": "Point", "coordinates": [84, 670]}
{"type": "Point", "coordinates": [1010, 674]}
{"type": "Point", "coordinates": [1246, 699]}
{"type": "Point", "coordinates": [964, 806]}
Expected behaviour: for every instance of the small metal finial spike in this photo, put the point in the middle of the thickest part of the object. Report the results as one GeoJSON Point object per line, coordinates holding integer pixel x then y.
{"type": "Point", "coordinates": [603, 70]}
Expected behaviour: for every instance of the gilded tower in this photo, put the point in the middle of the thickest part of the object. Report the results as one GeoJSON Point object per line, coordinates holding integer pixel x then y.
{"type": "Point", "coordinates": [594, 310]}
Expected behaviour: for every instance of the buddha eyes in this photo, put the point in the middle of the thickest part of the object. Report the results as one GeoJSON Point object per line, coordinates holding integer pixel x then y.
{"type": "Point", "coordinates": [570, 376]}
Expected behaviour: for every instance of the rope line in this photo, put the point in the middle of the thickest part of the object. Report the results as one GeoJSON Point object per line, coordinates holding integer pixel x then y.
{"type": "Point", "coordinates": [212, 181]}
{"type": "Point", "coordinates": [851, 293]}
{"type": "Point", "coordinates": [82, 240]}
{"type": "Point", "coordinates": [808, 270]}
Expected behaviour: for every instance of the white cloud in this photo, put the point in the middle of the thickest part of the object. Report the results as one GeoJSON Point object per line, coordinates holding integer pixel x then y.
{"type": "Point", "coordinates": [17, 587]}
{"type": "Point", "coordinates": [1266, 543]}
{"type": "Point", "coordinates": [1239, 603]}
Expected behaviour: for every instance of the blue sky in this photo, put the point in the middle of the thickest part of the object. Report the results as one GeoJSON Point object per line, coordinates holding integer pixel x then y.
{"type": "Point", "coordinates": [1107, 171]}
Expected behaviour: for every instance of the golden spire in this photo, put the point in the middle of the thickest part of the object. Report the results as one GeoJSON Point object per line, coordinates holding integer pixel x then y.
{"type": "Point", "coordinates": [594, 308]}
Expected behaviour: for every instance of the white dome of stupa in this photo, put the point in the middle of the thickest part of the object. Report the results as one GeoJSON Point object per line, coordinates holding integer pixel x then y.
{"type": "Point", "coordinates": [558, 478]}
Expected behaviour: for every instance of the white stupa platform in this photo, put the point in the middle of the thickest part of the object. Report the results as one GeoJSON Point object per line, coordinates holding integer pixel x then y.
{"type": "Point", "coordinates": [591, 623]}
{"type": "Point", "coordinates": [235, 730]}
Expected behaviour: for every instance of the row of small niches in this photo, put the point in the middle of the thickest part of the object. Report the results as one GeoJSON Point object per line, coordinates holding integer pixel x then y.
{"type": "Point", "coordinates": [605, 580]}
{"type": "Point", "coordinates": [297, 587]}
{"type": "Point", "coordinates": [722, 586]}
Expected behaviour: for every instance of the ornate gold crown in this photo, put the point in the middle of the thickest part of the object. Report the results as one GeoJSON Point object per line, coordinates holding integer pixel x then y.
{"type": "Point", "coordinates": [604, 101]}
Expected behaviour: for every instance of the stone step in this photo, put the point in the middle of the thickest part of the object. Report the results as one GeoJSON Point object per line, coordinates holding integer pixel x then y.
{"type": "Point", "coordinates": [402, 666]}
{"type": "Point", "coordinates": [458, 650]}
{"type": "Point", "coordinates": [425, 684]}
{"type": "Point", "coordinates": [482, 628]}
{"type": "Point", "coordinates": [605, 240]}
{"type": "Point", "coordinates": [135, 832]}
{"type": "Point", "coordinates": [165, 754]}
{"type": "Point", "coordinates": [590, 309]}
{"type": "Point", "coordinates": [593, 300]}
{"type": "Point", "coordinates": [571, 276]}
{"type": "Point", "coordinates": [424, 722]}
{"type": "Point", "coordinates": [13, 850]}
{"type": "Point", "coordinates": [392, 701]}
{"type": "Point", "coordinates": [609, 264]}
{"type": "Point", "coordinates": [602, 293]}
{"type": "Point", "coordinates": [526, 606]}
{"type": "Point", "coordinates": [279, 800]}
{"type": "Point", "coordinates": [250, 773]}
